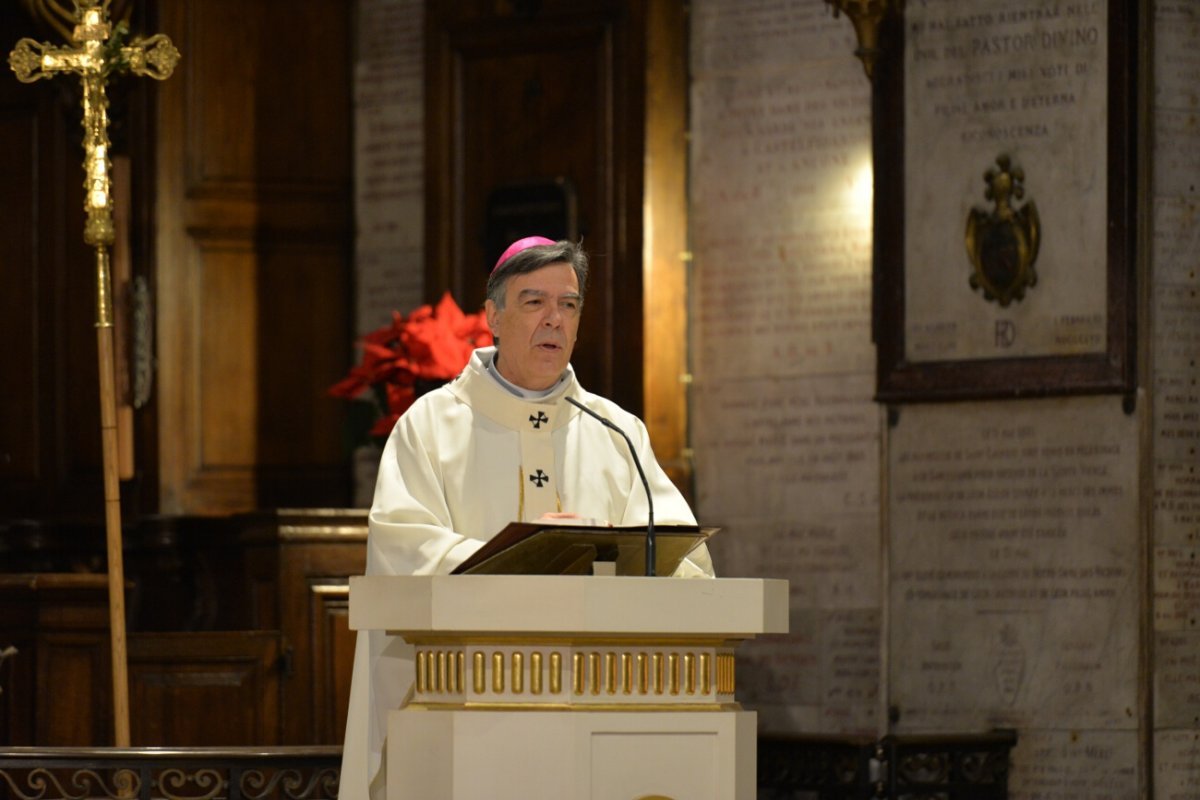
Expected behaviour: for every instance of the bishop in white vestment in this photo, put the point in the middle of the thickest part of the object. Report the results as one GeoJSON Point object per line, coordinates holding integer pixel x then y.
{"type": "Point", "coordinates": [498, 444]}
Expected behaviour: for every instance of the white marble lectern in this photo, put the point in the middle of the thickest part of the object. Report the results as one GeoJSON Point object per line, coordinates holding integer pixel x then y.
{"type": "Point", "coordinates": [570, 687]}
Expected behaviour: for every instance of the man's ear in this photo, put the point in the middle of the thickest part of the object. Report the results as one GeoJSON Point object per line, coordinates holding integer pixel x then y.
{"type": "Point", "coordinates": [491, 311]}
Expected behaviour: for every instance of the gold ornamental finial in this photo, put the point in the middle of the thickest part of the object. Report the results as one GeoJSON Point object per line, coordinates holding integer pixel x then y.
{"type": "Point", "coordinates": [866, 16]}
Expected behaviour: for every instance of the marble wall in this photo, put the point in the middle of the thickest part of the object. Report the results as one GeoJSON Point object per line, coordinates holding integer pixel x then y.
{"type": "Point", "coordinates": [786, 437]}
{"type": "Point", "coordinates": [389, 187]}
{"type": "Point", "coordinates": [1174, 330]}
{"type": "Point", "coordinates": [1032, 563]}
{"type": "Point", "coordinates": [389, 197]}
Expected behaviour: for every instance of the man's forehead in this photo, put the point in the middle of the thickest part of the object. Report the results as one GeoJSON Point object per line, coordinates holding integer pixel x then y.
{"type": "Point", "coordinates": [543, 280]}
{"type": "Point", "coordinates": [533, 290]}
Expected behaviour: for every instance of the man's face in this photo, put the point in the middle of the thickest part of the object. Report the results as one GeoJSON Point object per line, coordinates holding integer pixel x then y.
{"type": "Point", "coordinates": [536, 329]}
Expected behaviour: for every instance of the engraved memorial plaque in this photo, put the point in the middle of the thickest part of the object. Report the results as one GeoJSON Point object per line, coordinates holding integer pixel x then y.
{"type": "Point", "coordinates": [785, 434]}
{"type": "Point", "coordinates": [388, 160]}
{"type": "Point", "coordinates": [1014, 565]}
{"type": "Point", "coordinates": [1004, 201]}
{"type": "Point", "coordinates": [1070, 765]}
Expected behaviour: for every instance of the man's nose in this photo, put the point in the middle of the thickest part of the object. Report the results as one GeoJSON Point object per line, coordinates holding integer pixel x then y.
{"type": "Point", "coordinates": [553, 317]}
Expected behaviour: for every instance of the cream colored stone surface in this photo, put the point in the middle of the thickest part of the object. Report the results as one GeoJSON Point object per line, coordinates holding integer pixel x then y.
{"type": "Point", "coordinates": [594, 756]}
{"type": "Point", "coordinates": [567, 604]}
{"type": "Point", "coordinates": [984, 79]}
{"type": "Point", "coordinates": [1075, 765]}
{"type": "Point", "coordinates": [1014, 581]}
{"type": "Point", "coordinates": [485, 718]}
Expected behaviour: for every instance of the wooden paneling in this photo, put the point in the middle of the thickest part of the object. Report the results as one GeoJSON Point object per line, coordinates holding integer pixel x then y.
{"type": "Point", "coordinates": [57, 683]}
{"type": "Point", "coordinates": [535, 92]}
{"type": "Point", "coordinates": [300, 278]}
{"type": "Point", "coordinates": [19, 452]}
{"type": "Point", "coordinates": [307, 556]}
{"type": "Point", "coordinates": [227, 305]}
{"type": "Point", "coordinates": [254, 254]}
{"type": "Point", "coordinates": [666, 281]}
{"type": "Point", "coordinates": [239, 634]}
{"type": "Point", "coordinates": [595, 93]}
{"type": "Point", "coordinates": [268, 98]}
{"type": "Point", "coordinates": [204, 689]}
{"type": "Point", "coordinates": [332, 650]}
{"type": "Point", "coordinates": [73, 670]}
{"type": "Point", "coordinates": [278, 437]}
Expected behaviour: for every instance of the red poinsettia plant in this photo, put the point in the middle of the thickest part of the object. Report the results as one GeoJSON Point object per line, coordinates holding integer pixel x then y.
{"type": "Point", "coordinates": [411, 355]}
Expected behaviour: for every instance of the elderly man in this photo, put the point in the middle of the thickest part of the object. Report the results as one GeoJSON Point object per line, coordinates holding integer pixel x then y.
{"type": "Point", "coordinates": [498, 444]}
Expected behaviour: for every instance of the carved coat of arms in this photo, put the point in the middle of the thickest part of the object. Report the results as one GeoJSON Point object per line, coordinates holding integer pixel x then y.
{"type": "Point", "coordinates": [1002, 243]}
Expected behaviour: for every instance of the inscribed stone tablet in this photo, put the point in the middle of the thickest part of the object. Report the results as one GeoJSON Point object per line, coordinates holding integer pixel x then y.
{"type": "Point", "coordinates": [1176, 152]}
{"type": "Point", "coordinates": [1176, 330]}
{"type": "Point", "coordinates": [1177, 241]}
{"type": "Point", "coordinates": [1176, 765]}
{"type": "Point", "coordinates": [388, 160]}
{"type": "Point", "coordinates": [1013, 564]}
{"type": "Point", "coordinates": [1176, 589]}
{"type": "Point", "coordinates": [1088, 765]}
{"type": "Point", "coordinates": [389, 279]}
{"type": "Point", "coordinates": [789, 469]}
{"type": "Point", "coordinates": [1177, 679]}
{"type": "Point", "coordinates": [782, 243]}
{"type": "Point", "coordinates": [983, 82]}
{"type": "Point", "coordinates": [740, 35]}
{"type": "Point", "coordinates": [1176, 503]}
{"type": "Point", "coordinates": [1176, 57]}
{"type": "Point", "coordinates": [802, 449]}
{"type": "Point", "coordinates": [822, 677]}
{"type": "Point", "coordinates": [1177, 416]}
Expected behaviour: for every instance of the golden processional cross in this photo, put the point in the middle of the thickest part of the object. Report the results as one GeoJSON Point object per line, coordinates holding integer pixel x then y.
{"type": "Point", "coordinates": [99, 52]}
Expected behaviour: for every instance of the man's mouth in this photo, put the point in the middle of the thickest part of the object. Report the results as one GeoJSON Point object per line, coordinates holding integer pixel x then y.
{"type": "Point", "coordinates": [551, 346]}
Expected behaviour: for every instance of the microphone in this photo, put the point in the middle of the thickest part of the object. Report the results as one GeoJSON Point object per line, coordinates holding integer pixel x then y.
{"type": "Point", "coordinates": [650, 543]}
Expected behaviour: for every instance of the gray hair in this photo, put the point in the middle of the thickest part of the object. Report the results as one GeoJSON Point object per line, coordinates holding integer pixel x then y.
{"type": "Point", "coordinates": [534, 258]}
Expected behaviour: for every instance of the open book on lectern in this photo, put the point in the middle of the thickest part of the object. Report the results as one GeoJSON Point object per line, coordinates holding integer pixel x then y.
{"type": "Point", "coordinates": [536, 548]}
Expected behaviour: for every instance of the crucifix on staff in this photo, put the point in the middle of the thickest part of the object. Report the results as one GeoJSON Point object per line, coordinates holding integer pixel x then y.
{"type": "Point", "coordinates": [99, 51]}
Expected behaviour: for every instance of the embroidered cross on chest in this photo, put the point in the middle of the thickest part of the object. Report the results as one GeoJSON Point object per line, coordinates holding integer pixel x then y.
{"type": "Point", "coordinates": [538, 478]}
{"type": "Point", "coordinates": [539, 419]}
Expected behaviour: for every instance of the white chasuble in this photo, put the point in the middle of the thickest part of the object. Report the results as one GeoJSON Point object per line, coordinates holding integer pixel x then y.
{"type": "Point", "coordinates": [465, 461]}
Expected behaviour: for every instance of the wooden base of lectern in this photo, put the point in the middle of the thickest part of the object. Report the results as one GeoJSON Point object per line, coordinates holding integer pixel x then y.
{"type": "Point", "coordinates": [606, 755]}
{"type": "Point", "coordinates": [612, 688]}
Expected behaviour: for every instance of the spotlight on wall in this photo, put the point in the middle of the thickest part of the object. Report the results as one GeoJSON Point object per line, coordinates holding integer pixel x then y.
{"type": "Point", "coordinates": [862, 189]}
{"type": "Point", "coordinates": [866, 16]}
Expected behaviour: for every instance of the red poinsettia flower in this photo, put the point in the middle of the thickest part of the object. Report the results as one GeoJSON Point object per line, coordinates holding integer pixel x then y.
{"type": "Point", "coordinates": [408, 356]}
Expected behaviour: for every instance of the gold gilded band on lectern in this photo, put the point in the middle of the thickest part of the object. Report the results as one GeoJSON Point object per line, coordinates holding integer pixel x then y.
{"type": "Point", "coordinates": [678, 674]}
